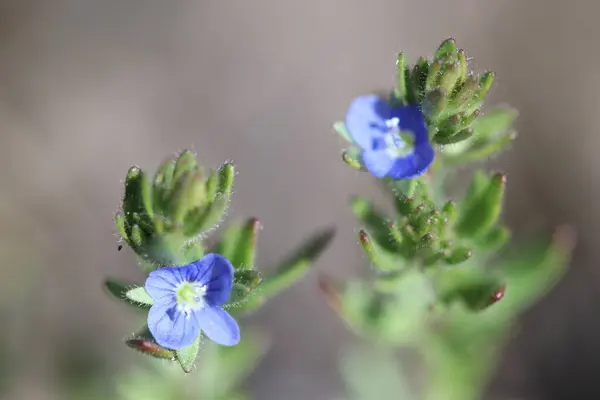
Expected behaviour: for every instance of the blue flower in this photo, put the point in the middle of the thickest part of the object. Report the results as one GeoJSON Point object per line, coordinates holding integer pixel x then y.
{"type": "Point", "coordinates": [187, 300]}
{"type": "Point", "coordinates": [394, 140]}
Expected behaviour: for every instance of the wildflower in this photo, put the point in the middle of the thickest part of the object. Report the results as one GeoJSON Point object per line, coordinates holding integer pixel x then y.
{"type": "Point", "coordinates": [187, 300]}
{"type": "Point", "coordinates": [394, 140]}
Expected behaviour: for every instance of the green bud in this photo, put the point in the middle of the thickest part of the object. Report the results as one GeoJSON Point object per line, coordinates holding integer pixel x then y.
{"type": "Point", "coordinates": [146, 195]}
{"type": "Point", "coordinates": [249, 278]}
{"type": "Point", "coordinates": [211, 186]}
{"type": "Point", "coordinates": [185, 163]}
{"type": "Point", "coordinates": [202, 219]}
{"type": "Point", "coordinates": [395, 233]}
{"type": "Point", "coordinates": [136, 235]}
{"type": "Point", "coordinates": [483, 213]}
{"type": "Point", "coordinates": [120, 223]}
{"type": "Point", "coordinates": [449, 211]}
{"type": "Point", "coordinates": [447, 48]}
{"type": "Point", "coordinates": [434, 103]}
{"type": "Point", "coordinates": [458, 255]}
{"type": "Point", "coordinates": [132, 202]}
{"type": "Point", "coordinates": [400, 92]}
{"type": "Point", "coordinates": [485, 83]}
{"type": "Point", "coordinates": [463, 66]}
{"type": "Point", "coordinates": [433, 74]}
{"type": "Point", "coordinates": [418, 78]}
{"type": "Point", "coordinates": [226, 176]}
{"type": "Point", "coordinates": [449, 77]}
{"type": "Point", "coordinates": [427, 240]}
{"type": "Point", "coordinates": [163, 181]}
{"type": "Point", "coordinates": [180, 205]}
{"type": "Point", "coordinates": [465, 93]}
{"type": "Point", "coordinates": [456, 138]}
{"type": "Point", "coordinates": [151, 348]}
{"type": "Point", "coordinates": [351, 159]}
{"type": "Point", "coordinates": [238, 293]}
{"type": "Point", "coordinates": [404, 205]}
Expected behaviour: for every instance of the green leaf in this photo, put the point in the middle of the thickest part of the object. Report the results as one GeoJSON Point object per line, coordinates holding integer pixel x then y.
{"type": "Point", "coordinates": [187, 355]}
{"type": "Point", "coordinates": [375, 222]}
{"type": "Point", "coordinates": [495, 122]}
{"type": "Point", "coordinates": [340, 128]}
{"type": "Point", "coordinates": [479, 216]}
{"type": "Point", "coordinates": [118, 289]}
{"type": "Point", "coordinates": [370, 373]}
{"type": "Point", "coordinates": [238, 243]}
{"type": "Point", "coordinates": [139, 295]}
{"type": "Point", "coordinates": [223, 369]}
{"type": "Point", "coordinates": [446, 49]}
{"type": "Point", "coordinates": [535, 267]}
{"type": "Point", "coordinates": [381, 257]}
{"type": "Point", "coordinates": [203, 219]}
{"type": "Point", "coordinates": [298, 263]}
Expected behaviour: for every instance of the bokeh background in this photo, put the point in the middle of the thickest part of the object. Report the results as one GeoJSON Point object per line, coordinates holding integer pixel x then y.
{"type": "Point", "coordinates": [89, 87]}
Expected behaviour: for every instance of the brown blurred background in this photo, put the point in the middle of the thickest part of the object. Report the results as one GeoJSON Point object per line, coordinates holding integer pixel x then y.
{"type": "Point", "coordinates": [88, 88]}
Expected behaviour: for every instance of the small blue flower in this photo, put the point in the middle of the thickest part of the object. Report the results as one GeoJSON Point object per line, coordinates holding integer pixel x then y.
{"type": "Point", "coordinates": [187, 300]}
{"type": "Point", "coordinates": [393, 140]}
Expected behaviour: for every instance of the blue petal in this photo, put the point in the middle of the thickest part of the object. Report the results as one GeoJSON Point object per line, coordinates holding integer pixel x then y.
{"type": "Point", "coordinates": [218, 278]}
{"type": "Point", "coordinates": [411, 119]}
{"type": "Point", "coordinates": [378, 162]}
{"type": "Point", "coordinates": [415, 164]}
{"type": "Point", "coordinates": [161, 284]}
{"type": "Point", "coordinates": [218, 326]}
{"type": "Point", "coordinates": [365, 120]}
{"type": "Point", "coordinates": [171, 328]}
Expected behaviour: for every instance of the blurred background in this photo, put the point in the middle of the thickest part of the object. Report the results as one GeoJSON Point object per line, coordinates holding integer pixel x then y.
{"type": "Point", "coordinates": [89, 88]}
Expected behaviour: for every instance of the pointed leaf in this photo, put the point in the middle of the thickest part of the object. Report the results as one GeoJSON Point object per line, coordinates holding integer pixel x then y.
{"type": "Point", "coordinates": [340, 128]}
{"type": "Point", "coordinates": [375, 222]}
{"type": "Point", "coordinates": [187, 355]}
{"type": "Point", "coordinates": [118, 289]}
{"type": "Point", "coordinates": [495, 122]}
{"type": "Point", "coordinates": [238, 243]}
{"type": "Point", "coordinates": [292, 269]}
{"type": "Point", "coordinates": [139, 295]}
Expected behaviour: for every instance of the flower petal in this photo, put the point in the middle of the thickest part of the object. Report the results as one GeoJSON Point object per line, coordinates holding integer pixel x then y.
{"type": "Point", "coordinates": [161, 284]}
{"type": "Point", "coordinates": [172, 328]}
{"type": "Point", "coordinates": [411, 119]}
{"type": "Point", "coordinates": [378, 162]}
{"type": "Point", "coordinates": [413, 165]}
{"type": "Point", "coordinates": [218, 279]}
{"type": "Point", "coordinates": [365, 119]}
{"type": "Point", "coordinates": [218, 326]}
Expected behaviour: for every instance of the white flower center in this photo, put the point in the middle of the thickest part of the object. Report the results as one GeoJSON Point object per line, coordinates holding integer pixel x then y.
{"type": "Point", "coordinates": [190, 297]}
{"type": "Point", "coordinates": [398, 143]}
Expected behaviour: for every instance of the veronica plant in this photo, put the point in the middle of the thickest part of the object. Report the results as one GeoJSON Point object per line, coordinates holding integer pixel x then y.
{"type": "Point", "coordinates": [439, 272]}
{"type": "Point", "coordinates": [194, 289]}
